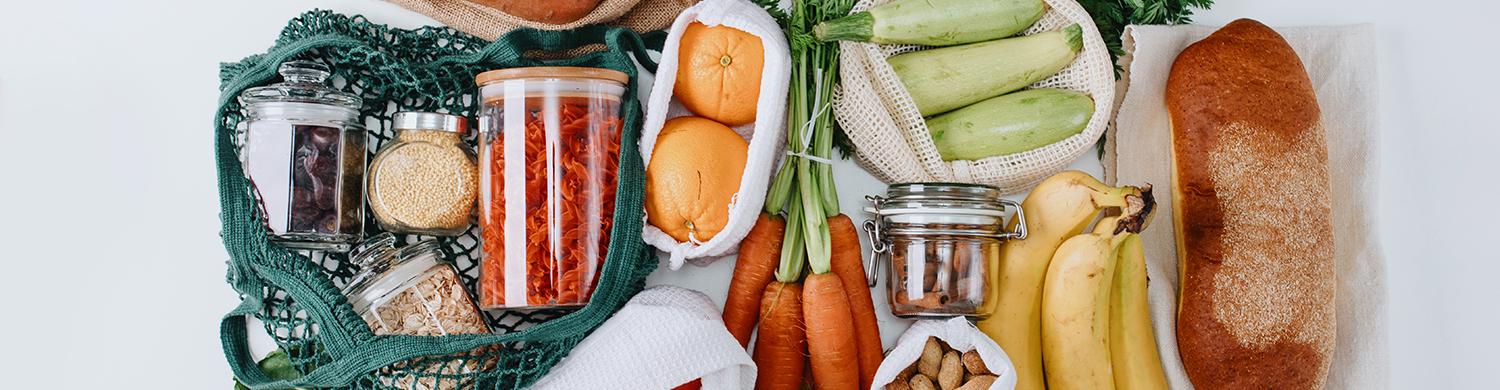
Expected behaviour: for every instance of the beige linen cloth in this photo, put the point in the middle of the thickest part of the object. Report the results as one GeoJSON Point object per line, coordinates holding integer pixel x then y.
{"type": "Point", "coordinates": [1341, 62]}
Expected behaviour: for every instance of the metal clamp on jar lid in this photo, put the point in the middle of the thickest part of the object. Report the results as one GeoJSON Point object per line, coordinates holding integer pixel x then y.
{"type": "Point", "coordinates": [949, 209]}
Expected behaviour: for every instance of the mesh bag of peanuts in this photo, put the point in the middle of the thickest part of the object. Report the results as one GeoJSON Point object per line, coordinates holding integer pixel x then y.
{"type": "Point", "coordinates": [945, 355]}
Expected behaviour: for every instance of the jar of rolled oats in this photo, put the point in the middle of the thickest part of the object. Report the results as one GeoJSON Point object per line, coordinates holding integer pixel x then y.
{"type": "Point", "coordinates": [410, 290]}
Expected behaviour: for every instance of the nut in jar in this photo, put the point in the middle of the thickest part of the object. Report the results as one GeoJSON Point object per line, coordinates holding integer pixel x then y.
{"type": "Point", "coordinates": [941, 240]}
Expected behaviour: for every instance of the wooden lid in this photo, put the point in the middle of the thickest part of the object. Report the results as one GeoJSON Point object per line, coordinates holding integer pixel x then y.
{"type": "Point", "coordinates": [551, 72]}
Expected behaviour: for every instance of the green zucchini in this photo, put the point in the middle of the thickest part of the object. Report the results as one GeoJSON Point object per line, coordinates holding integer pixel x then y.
{"type": "Point", "coordinates": [1011, 123]}
{"type": "Point", "coordinates": [940, 80]}
{"type": "Point", "coordinates": [934, 22]}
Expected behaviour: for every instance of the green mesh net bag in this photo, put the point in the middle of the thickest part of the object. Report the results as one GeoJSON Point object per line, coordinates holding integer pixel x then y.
{"type": "Point", "coordinates": [296, 293]}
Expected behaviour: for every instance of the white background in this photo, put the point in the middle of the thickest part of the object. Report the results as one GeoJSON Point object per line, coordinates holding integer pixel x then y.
{"type": "Point", "coordinates": [113, 269]}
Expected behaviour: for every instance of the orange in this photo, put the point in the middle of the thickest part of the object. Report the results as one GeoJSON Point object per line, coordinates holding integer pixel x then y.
{"type": "Point", "coordinates": [718, 73]}
{"type": "Point", "coordinates": [694, 173]}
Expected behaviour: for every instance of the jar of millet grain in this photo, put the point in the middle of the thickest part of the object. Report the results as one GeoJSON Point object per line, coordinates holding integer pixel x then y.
{"type": "Point", "coordinates": [423, 180]}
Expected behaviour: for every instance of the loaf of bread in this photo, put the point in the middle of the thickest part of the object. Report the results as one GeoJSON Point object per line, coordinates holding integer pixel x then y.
{"type": "Point", "coordinates": [1252, 213]}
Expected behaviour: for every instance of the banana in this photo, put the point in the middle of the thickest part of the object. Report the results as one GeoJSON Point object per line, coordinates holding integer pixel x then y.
{"type": "Point", "coordinates": [1132, 345]}
{"type": "Point", "coordinates": [1058, 208]}
{"type": "Point", "coordinates": [1076, 312]}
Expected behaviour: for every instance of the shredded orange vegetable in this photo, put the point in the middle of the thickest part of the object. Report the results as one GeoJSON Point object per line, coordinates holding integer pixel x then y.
{"type": "Point", "coordinates": [587, 150]}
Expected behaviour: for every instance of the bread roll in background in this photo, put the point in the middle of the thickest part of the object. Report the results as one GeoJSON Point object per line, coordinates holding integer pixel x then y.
{"type": "Point", "coordinates": [1252, 214]}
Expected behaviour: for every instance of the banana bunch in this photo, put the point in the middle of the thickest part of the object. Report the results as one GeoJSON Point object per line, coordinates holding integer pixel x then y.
{"type": "Point", "coordinates": [1071, 305]}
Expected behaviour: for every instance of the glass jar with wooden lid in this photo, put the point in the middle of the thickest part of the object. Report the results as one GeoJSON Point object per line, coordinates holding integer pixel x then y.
{"type": "Point", "coordinates": [549, 149]}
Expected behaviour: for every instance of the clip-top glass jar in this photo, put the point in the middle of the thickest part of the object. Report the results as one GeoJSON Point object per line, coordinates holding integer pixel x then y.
{"type": "Point", "coordinates": [410, 290]}
{"type": "Point", "coordinates": [941, 240]}
{"type": "Point", "coordinates": [423, 181]}
{"type": "Point", "coordinates": [549, 161]}
{"type": "Point", "coordinates": [304, 152]}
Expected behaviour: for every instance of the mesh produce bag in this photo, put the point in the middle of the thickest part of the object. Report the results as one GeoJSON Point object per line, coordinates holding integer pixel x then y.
{"type": "Point", "coordinates": [296, 293]}
{"type": "Point", "coordinates": [892, 141]}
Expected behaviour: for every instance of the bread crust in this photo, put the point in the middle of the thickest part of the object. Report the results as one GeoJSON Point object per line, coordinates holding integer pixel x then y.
{"type": "Point", "coordinates": [1253, 219]}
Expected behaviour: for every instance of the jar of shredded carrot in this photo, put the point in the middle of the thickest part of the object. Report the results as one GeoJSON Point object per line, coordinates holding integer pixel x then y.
{"type": "Point", "coordinates": [549, 149]}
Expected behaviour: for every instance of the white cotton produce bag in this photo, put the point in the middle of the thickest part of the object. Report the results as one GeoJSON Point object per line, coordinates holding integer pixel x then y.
{"type": "Point", "coordinates": [767, 135]}
{"type": "Point", "coordinates": [960, 335]}
{"type": "Point", "coordinates": [663, 337]}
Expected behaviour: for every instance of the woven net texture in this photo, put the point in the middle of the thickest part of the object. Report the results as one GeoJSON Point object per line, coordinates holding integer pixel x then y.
{"type": "Point", "coordinates": [892, 141]}
{"type": "Point", "coordinates": [296, 293]}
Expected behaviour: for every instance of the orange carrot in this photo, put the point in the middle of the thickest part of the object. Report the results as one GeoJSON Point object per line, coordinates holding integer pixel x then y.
{"type": "Point", "coordinates": [760, 253]}
{"type": "Point", "coordinates": [780, 349]}
{"type": "Point", "coordinates": [830, 332]}
{"type": "Point", "coordinates": [847, 265]}
{"type": "Point", "coordinates": [807, 379]}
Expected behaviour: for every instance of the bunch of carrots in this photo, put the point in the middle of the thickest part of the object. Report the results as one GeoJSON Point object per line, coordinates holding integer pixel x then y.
{"type": "Point", "coordinates": [823, 325]}
{"type": "Point", "coordinates": [799, 283]}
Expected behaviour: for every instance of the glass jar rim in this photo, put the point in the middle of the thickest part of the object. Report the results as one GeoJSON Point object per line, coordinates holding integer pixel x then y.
{"type": "Point", "coordinates": [951, 209]}
{"type": "Point", "coordinates": [551, 72]}
{"type": "Point", "coordinates": [380, 261]}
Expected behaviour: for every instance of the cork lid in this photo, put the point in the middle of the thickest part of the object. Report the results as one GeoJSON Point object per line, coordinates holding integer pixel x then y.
{"type": "Point", "coordinates": [551, 72]}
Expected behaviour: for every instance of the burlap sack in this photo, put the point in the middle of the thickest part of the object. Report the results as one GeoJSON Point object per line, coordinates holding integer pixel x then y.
{"type": "Point", "coordinates": [489, 23]}
{"type": "Point", "coordinates": [891, 139]}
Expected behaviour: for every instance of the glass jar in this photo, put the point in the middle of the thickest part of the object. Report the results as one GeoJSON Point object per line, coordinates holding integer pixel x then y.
{"type": "Point", "coordinates": [548, 164]}
{"type": "Point", "coordinates": [304, 153]}
{"type": "Point", "coordinates": [941, 240]}
{"type": "Point", "coordinates": [423, 181]}
{"type": "Point", "coordinates": [410, 290]}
